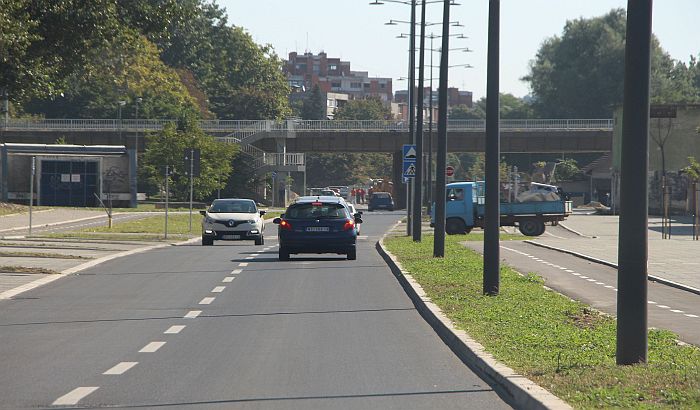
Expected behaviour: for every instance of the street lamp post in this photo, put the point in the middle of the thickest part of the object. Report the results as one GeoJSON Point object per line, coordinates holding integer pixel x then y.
{"type": "Point", "coordinates": [439, 243]}
{"type": "Point", "coordinates": [120, 104]}
{"type": "Point", "coordinates": [418, 182]}
{"type": "Point", "coordinates": [136, 151]}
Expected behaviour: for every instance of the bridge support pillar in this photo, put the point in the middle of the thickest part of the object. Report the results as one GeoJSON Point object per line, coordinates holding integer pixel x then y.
{"type": "Point", "coordinates": [399, 193]}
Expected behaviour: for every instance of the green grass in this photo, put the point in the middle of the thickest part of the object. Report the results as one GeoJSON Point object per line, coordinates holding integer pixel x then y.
{"type": "Point", "coordinates": [563, 345]}
{"type": "Point", "coordinates": [151, 228]}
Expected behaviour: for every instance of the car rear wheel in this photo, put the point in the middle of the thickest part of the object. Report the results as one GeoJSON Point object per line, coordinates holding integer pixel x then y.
{"type": "Point", "coordinates": [207, 241]}
{"type": "Point", "coordinates": [283, 254]}
{"type": "Point", "coordinates": [260, 240]}
{"type": "Point", "coordinates": [352, 254]}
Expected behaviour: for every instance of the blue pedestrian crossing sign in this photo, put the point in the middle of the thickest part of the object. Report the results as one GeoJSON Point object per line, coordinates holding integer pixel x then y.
{"type": "Point", "coordinates": [409, 161]}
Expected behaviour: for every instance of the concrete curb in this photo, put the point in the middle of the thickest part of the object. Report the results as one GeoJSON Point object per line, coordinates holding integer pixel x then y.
{"type": "Point", "coordinates": [614, 265]}
{"type": "Point", "coordinates": [8, 294]}
{"type": "Point", "coordinates": [20, 228]}
{"type": "Point", "coordinates": [573, 231]}
{"type": "Point", "coordinates": [514, 388]}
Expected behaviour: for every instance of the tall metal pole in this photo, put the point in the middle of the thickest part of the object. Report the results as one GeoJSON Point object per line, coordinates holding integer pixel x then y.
{"type": "Point", "coordinates": [430, 131]}
{"type": "Point", "coordinates": [418, 180]}
{"type": "Point", "coordinates": [191, 183]}
{"type": "Point", "coordinates": [167, 194]}
{"type": "Point", "coordinates": [633, 238]}
{"type": "Point", "coordinates": [31, 193]}
{"type": "Point", "coordinates": [493, 217]}
{"type": "Point", "coordinates": [411, 109]}
{"type": "Point", "coordinates": [439, 245]}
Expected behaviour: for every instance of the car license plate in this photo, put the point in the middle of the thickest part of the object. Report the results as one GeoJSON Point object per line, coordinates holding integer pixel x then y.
{"type": "Point", "coordinates": [317, 229]}
{"type": "Point", "coordinates": [230, 236]}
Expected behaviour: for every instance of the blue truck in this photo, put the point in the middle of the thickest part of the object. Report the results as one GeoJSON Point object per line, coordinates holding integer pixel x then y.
{"type": "Point", "coordinates": [464, 210]}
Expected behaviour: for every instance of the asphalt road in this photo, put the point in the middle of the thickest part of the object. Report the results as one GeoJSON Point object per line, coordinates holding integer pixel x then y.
{"type": "Point", "coordinates": [596, 284]}
{"type": "Point", "coordinates": [227, 327]}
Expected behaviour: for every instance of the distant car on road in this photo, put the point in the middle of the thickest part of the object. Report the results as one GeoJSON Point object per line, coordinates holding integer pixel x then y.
{"type": "Point", "coordinates": [232, 219]}
{"type": "Point", "coordinates": [318, 225]}
{"type": "Point", "coordinates": [380, 200]}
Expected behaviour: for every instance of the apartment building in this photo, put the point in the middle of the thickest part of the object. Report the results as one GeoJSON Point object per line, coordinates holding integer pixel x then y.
{"type": "Point", "coordinates": [334, 76]}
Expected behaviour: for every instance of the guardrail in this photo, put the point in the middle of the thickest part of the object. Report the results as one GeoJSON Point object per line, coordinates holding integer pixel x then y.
{"type": "Point", "coordinates": [275, 159]}
{"type": "Point", "coordinates": [297, 125]}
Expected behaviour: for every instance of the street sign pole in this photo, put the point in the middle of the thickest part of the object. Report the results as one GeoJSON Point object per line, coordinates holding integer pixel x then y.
{"type": "Point", "coordinates": [439, 241]}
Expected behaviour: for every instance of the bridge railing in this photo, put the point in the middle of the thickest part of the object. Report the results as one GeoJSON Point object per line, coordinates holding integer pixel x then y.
{"type": "Point", "coordinates": [131, 125]}
{"type": "Point", "coordinates": [275, 159]}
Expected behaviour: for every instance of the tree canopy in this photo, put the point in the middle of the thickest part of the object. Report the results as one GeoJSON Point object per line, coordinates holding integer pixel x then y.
{"type": "Point", "coordinates": [511, 107]}
{"type": "Point", "coordinates": [78, 59]}
{"type": "Point", "coordinates": [580, 74]}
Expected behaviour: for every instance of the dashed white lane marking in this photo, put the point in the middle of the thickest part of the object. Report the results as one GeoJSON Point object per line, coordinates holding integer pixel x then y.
{"type": "Point", "coordinates": [236, 271]}
{"type": "Point", "coordinates": [676, 311]}
{"type": "Point", "coordinates": [691, 315]}
{"type": "Point", "coordinates": [590, 280]}
{"type": "Point", "coordinates": [228, 279]}
{"type": "Point", "coordinates": [192, 314]}
{"type": "Point", "coordinates": [569, 270]}
{"type": "Point", "coordinates": [206, 301]}
{"type": "Point", "coordinates": [74, 396]}
{"type": "Point", "coordinates": [583, 277]}
{"type": "Point", "coordinates": [218, 289]}
{"type": "Point", "coordinates": [173, 330]}
{"type": "Point", "coordinates": [663, 306]}
{"type": "Point", "coordinates": [249, 257]}
{"type": "Point", "coordinates": [600, 283]}
{"type": "Point", "coordinates": [651, 302]}
{"type": "Point", "coordinates": [575, 273]}
{"type": "Point", "coordinates": [609, 286]}
{"type": "Point", "coordinates": [243, 264]}
{"type": "Point", "coordinates": [121, 368]}
{"type": "Point", "coordinates": [152, 347]}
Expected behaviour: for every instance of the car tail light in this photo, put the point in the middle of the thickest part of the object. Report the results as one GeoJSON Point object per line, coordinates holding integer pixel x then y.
{"type": "Point", "coordinates": [349, 224]}
{"type": "Point", "coordinates": [285, 225]}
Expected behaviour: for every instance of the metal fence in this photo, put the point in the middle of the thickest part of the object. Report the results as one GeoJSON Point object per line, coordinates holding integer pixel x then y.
{"type": "Point", "coordinates": [298, 125]}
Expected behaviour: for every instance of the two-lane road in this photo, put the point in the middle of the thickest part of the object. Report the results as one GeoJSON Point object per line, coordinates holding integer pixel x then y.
{"type": "Point", "coordinates": [230, 326]}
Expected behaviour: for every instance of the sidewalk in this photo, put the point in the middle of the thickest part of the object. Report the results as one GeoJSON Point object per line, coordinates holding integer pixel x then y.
{"type": "Point", "coordinates": [18, 223]}
{"type": "Point", "coordinates": [674, 259]}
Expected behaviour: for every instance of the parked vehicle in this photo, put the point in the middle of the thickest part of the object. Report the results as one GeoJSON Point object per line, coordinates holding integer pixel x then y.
{"type": "Point", "coordinates": [380, 200]}
{"type": "Point", "coordinates": [464, 210]}
{"type": "Point", "coordinates": [317, 225]}
{"type": "Point", "coordinates": [232, 219]}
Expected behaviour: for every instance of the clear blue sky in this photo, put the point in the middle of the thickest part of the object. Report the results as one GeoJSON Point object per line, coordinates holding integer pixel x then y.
{"type": "Point", "coordinates": [355, 31]}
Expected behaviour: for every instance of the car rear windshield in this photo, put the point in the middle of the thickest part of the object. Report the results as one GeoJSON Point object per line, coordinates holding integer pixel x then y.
{"type": "Point", "coordinates": [233, 207]}
{"type": "Point", "coordinates": [316, 210]}
{"type": "Point", "coordinates": [381, 195]}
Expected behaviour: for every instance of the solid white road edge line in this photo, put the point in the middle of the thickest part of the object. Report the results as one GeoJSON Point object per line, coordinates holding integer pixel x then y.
{"type": "Point", "coordinates": [121, 368]}
{"type": "Point", "coordinates": [152, 347]}
{"type": "Point", "coordinates": [74, 396]}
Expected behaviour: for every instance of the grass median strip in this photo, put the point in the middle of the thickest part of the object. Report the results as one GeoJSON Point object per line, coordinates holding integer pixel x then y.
{"type": "Point", "coordinates": [19, 254]}
{"type": "Point", "coordinates": [563, 345]}
{"type": "Point", "coordinates": [24, 269]}
{"type": "Point", "coordinates": [151, 228]}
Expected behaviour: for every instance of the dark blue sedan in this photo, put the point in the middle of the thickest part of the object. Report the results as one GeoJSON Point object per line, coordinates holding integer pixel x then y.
{"type": "Point", "coordinates": [317, 225]}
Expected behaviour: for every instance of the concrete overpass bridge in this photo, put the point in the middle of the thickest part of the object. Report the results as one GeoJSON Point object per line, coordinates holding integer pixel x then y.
{"type": "Point", "coordinates": [280, 145]}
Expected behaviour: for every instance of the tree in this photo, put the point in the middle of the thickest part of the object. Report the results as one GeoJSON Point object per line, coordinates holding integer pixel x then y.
{"type": "Point", "coordinates": [511, 107]}
{"type": "Point", "coordinates": [581, 73]}
{"type": "Point", "coordinates": [314, 105]}
{"type": "Point", "coordinates": [567, 170]}
{"type": "Point", "coordinates": [125, 68]}
{"type": "Point", "coordinates": [245, 80]}
{"type": "Point", "coordinates": [167, 147]}
{"type": "Point", "coordinates": [369, 109]}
